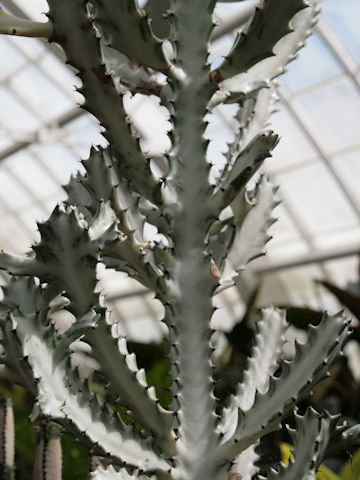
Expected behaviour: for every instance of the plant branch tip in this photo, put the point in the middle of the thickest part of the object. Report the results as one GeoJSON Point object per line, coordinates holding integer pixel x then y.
{"type": "Point", "coordinates": [11, 25]}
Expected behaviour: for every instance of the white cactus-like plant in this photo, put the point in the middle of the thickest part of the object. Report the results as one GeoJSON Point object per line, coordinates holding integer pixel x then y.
{"type": "Point", "coordinates": [112, 46]}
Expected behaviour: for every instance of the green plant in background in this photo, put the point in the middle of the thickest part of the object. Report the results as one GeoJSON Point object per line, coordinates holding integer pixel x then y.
{"type": "Point", "coordinates": [202, 217]}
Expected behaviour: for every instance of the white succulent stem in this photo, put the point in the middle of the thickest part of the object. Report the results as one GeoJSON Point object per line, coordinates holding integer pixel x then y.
{"type": "Point", "coordinates": [191, 273]}
{"type": "Point", "coordinates": [103, 221]}
{"type": "Point", "coordinates": [11, 25]}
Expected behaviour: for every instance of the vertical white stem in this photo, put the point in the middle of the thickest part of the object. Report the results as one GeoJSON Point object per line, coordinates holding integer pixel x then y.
{"type": "Point", "coordinates": [192, 279]}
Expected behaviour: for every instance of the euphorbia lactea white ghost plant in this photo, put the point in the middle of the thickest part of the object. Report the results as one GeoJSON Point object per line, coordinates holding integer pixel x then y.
{"type": "Point", "coordinates": [113, 49]}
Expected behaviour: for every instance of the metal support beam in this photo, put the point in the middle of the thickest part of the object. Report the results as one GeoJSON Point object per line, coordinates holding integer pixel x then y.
{"type": "Point", "coordinates": [317, 257]}
{"type": "Point", "coordinates": [59, 122]}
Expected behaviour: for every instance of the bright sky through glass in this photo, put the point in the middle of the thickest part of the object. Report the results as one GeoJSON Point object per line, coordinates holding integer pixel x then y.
{"type": "Point", "coordinates": [343, 16]}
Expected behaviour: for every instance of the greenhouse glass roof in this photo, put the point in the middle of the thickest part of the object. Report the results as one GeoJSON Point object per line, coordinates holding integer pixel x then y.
{"type": "Point", "coordinates": [317, 163]}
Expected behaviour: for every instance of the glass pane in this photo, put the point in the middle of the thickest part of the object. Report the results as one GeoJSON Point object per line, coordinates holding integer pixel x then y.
{"type": "Point", "coordinates": [343, 238]}
{"type": "Point", "coordinates": [316, 63]}
{"type": "Point", "coordinates": [31, 47]}
{"type": "Point", "coordinates": [316, 199]}
{"type": "Point", "coordinates": [347, 167]}
{"type": "Point", "coordinates": [30, 216]}
{"type": "Point", "coordinates": [343, 17]}
{"type": "Point", "coordinates": [280, 251]}
{"type": "Point", "coordinates": [82, 133]}
{"type": "Point", "coordinates": [284, 228]}
{"type": "Point", "coordinates": [59, 159]}
{"type": "Point", "coordinates": [34, 9]}
{"type": "Point", "coordinates": [55, 68]}
{"type": "Point", "coordinates": [286, 239]}
{"type": "Point", "coordinates": [333, 114]}
{"type": "Point", "coordinates": [5, 141]}
{"type": "Point", "coordinates": [14, 237]}
{"type": "Point", "coordinates": [12, 193]}
{"type": "Point", "coordinates": [13, 58]}
{"type": "Point", "coordinates": [14, 115]}
{"type": "Point", "coordinates": [294, 147]}
{"type": "Point", "coordinates": [41, 92]}
{"type": "Point", "coordinates": [52, 201]}
{"type": "Point", "coordinates": [31, 174]}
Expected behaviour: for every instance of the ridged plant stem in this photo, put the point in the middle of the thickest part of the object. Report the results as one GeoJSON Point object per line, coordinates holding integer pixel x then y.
{"type": "Point", "coordinates": [191, 274]}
